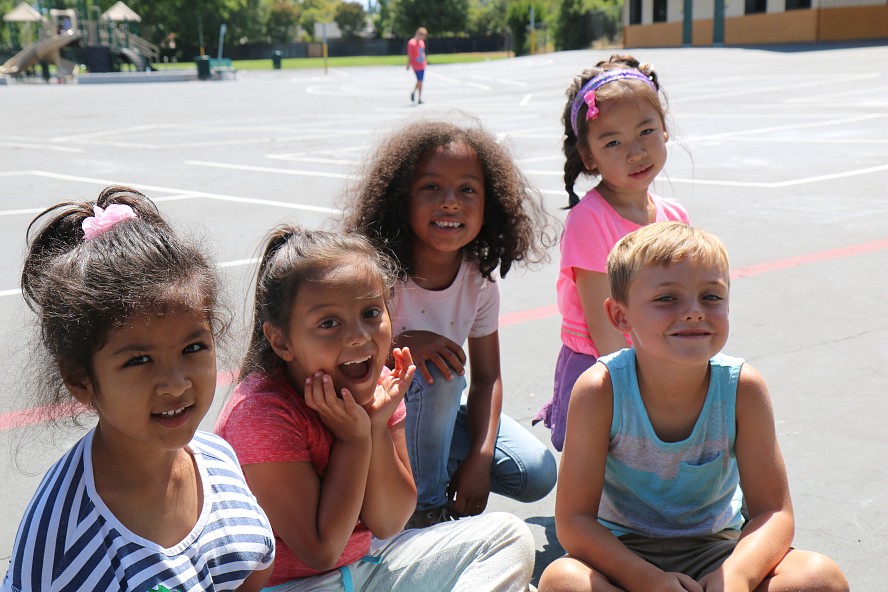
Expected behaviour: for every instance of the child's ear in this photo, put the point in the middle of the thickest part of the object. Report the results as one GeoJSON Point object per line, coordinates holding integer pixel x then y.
{"type": "Point", "coordinates": [79, 385]}
{"type": "Point", "coordinates": [616, 314]}
{"type": "Point", "coordinates": [586, 157]}
{"type": "Point", "coordinates": [278, 341]}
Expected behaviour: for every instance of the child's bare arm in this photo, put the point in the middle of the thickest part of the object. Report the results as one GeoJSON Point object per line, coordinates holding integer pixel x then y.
{"type": "Point", "coordinates": [580, 483]}
{"type": "Point", "coordinates": [257, 580]}
{"type": "Point", "coordinates": [594, 289]}
{"type": "Point", "coordinates": [315, 517]}
{"type": "Point", "coordinates": [470, 485]}
{"type": "Point", "coordinates": [426, 346]}
{"type": "Point", "coordinates": [768, 535]}
{"type": "Point", "coordinates": [390, 497]}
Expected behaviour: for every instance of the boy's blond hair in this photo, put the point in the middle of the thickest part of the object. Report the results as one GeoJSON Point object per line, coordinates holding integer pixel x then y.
{"type": "Point", "coordinates": [661, 244]}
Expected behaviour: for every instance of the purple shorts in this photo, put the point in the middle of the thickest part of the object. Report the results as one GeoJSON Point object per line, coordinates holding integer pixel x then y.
{"type": "Point", "coordinates": [553, 414]}
{"type": "Point", "coordinates": [420, 74]}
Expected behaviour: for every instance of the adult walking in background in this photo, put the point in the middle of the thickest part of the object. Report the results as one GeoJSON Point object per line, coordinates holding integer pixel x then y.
{"type": "Point", "coordinates": [416, 59]}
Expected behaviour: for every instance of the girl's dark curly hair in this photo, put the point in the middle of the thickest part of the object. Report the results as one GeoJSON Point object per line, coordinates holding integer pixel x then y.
{"type": "Point", "coordinates": [573, 161]}
{"type": "Point", "coordinates": [291, 257]}
{"type": "Point", "coordinates": [516, 226]}
{"type": "Point", "coordinates": [80, 289]}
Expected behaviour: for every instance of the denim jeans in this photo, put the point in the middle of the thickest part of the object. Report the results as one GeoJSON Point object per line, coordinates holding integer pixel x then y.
{"type": "Point", "coordinates": [438, 440]}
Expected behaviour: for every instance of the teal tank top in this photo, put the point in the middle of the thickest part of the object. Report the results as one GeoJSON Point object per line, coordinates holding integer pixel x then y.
{"type": "Point", "coordinates": [671, 489]}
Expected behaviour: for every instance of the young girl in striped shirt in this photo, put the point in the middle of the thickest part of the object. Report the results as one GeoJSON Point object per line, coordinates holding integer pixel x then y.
{"type": "Point", "coordinates": [128, 324]}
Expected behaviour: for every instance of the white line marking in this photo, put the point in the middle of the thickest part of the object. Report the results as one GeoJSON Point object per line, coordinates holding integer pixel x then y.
{"type": "Point", "coordinates": [761, 185]}
{"type": "Point", "coordinates": [258, 169]}
{"type": "Point", "coordinates": [181, 193]}
{"type": "Point", "coordinates": [794, 126]}
{"type": "Point", "coordinates": [525, 100]}
{"type": "Point", "coordinates": [39, 147]}
{"type": "Point", "coordinates": [222, 265]}
{"type": "Point", "coordinates": [312, 159]}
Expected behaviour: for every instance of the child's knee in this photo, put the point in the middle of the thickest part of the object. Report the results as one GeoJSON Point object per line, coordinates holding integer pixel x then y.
{"type": "Point", "coordinates": [811, 572]}
{"type": "Point", "coordinates": [566, 575]}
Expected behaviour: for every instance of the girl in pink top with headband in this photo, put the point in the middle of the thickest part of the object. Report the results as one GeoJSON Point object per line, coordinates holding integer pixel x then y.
{"type": "Point", "coordinates": [614, 130]}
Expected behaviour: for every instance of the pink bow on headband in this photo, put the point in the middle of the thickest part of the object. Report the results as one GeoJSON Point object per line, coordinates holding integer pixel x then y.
{"type": "Point", "coordinates": [105, 219]}
{"type": "Point", "coordinates": [592, 111]}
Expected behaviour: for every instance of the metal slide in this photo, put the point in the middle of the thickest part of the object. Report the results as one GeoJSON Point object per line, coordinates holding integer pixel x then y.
{"type": "Point", "coordinates": [44, 50]}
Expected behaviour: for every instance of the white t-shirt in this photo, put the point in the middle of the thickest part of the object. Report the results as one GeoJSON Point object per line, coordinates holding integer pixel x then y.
{"type": "Point", "coordinates": [469, 307]}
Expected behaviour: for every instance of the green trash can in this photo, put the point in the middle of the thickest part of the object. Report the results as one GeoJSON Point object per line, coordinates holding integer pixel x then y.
{"type": "Point", "coordinates": [276, 57]}
{"type": "Point", "coordinates": [203, 67]}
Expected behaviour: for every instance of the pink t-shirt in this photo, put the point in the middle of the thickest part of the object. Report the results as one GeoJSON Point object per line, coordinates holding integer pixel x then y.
{"type": "Point", "coordinates": [591, 230]}
{"type": "Point", "coordinates": [416, 53]}
{"type": "Point", "coordinates": [265, 420]}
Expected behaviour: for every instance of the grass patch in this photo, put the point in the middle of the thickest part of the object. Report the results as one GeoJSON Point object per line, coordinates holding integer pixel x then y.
{"type": "Point", "coordinates": [348, 61]}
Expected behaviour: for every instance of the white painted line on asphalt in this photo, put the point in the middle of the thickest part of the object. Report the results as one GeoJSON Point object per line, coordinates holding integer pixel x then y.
{"type": "Point", "coordinates": [238, 263]}
{"type": "Point", "coordinates": [758, 184]}
{"type": "Point", "coordinates": [258, 169]}
{"type": "Point", "coordinates": [222, 265]}
{"type": "Point", "coordinates": [311, 159]}
{"type": "Point", "coordinates": [526, 99]}
{"type": "Point", "coordinates": [39, 146]}
{"type": "Point", "coordinates": [794, 126]}
{"type": "Point", "coordinates": [176, 193]}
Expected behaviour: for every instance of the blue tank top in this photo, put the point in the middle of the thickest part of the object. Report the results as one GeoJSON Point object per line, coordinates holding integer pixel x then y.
{"type": "Point", "coordinates": [671, 489]}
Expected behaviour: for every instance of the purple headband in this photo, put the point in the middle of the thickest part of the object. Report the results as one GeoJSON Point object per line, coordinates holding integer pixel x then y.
{"type": "Point", "coordinates": [587, 93]}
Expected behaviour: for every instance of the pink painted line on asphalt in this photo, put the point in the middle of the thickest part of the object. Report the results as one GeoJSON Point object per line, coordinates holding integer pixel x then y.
{"type": "Point", "coordinates": [26, 417]}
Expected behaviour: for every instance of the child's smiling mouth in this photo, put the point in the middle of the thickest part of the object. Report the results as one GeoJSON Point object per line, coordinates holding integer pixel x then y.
{"type": "Point", "coordinates": [357, 369]}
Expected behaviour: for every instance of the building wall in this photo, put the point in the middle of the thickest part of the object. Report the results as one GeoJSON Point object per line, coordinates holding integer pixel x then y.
{"type": "Point", "coordinates": [828, 20]}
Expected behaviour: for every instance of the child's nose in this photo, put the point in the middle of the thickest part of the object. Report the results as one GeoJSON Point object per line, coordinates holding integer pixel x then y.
{"type": "Point", "coordinates": [694, 313]}
{"type": "Point", "coordinates": [449, 199]}
{"type": "Point", "coordinates": [173, 380]}
{"type": "Point", "coordinates": [636, 151]}
{"type": "Point", "coordinates": [358, 335]}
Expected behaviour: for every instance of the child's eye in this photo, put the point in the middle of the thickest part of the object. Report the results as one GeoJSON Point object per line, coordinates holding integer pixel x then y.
{"type": "Point", "coordinates": [646, 132]}
{"type": "Point", "coordinates": [664, 298]}
{"type": "Point", "coordinates": [372, 313]}
{"type": "Point", "coordinates": [430, 186]}
{"type": "Point", "coordinates": [468, 189]}
{"type": "Point", "coordinates": [328, 324]}
{"type": "Point", "coordinates": [713, 297]}
{"type": "Point", "coordinates": [194, 348]}
{"type": "Point", "coordinates": [137, 361]}
{"type": "Point", "coordinates": [611, 144]}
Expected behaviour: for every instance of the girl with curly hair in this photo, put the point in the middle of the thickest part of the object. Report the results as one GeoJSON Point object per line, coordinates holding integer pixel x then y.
{"type": "Point", "coordinates": [450, 205]}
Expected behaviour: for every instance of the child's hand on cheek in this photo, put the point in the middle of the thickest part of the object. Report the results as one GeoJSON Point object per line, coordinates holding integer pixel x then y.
{"type": "Point", "coordinates": [391, 389]}
{"type": "Point", "coordinates": [346, 419]}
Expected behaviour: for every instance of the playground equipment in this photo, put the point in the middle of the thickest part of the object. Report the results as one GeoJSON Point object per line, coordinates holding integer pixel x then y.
{"type": "Point", "coordinates": [107, 36]}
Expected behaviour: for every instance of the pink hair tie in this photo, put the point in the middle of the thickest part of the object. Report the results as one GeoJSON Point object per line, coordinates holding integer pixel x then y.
{"type": "Point", "coordinates": [105, 219]}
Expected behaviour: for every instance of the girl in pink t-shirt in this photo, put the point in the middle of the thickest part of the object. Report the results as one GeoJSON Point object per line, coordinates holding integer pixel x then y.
{"type": "Point", "coordinates": [317, 424]}
{"type": "Point", "coordinates": [614, 129]}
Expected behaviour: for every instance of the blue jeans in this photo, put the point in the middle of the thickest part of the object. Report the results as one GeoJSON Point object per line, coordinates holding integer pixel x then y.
{"type": "Point", "coordinates": [438, 440]}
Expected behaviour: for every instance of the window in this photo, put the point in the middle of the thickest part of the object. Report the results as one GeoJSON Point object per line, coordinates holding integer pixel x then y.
{"type": "Point", "coordinates": [754, 6]}
{"type": "Point", "coordinates": [798, 4]}
{"type": "Point", "coordinates": [635, 12]}
{"type": "Point", "coordinates": [660, 11]}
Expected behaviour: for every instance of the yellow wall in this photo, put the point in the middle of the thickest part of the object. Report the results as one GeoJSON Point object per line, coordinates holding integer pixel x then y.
{"type": "Point", "coordinates": [794, 26]}
{"type": "Point", "coordinates": [655, 35]}
{"type": "Point", "coordinates": [702, 33]}
{"type": "Point", "coordinates": [860, 22]}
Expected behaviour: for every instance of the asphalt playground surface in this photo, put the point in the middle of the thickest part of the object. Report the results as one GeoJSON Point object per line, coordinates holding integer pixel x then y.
{"type": "Point", "coordinates": [782, 152]}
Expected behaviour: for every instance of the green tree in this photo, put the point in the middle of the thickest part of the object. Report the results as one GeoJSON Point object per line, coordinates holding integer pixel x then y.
{"type": "Point", "coordinates": [351, 18]}
{"type": "Point", "coordinates": [438, 16]}
{"type": "Point", "coordinates": [518, 18]}
{"type": "Point", "coordinates": [487, 17]}
{"type": "Point", "coordinates": [283, 21]}
{"type": "Point", "coordinates": [570, 29]}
